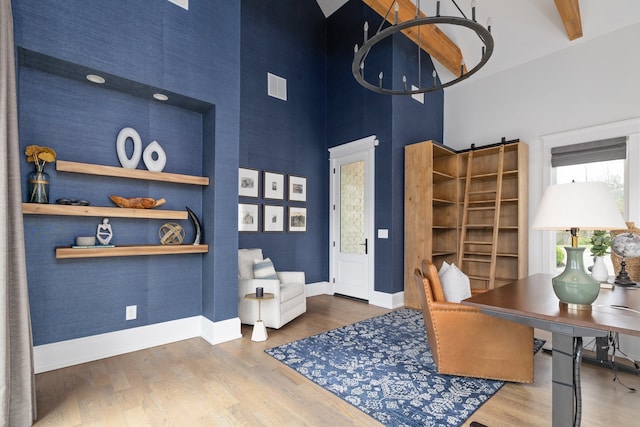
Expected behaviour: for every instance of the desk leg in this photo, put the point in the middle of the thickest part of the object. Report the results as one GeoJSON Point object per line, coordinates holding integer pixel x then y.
{"type": "Point", "coordinates": [562, 375]}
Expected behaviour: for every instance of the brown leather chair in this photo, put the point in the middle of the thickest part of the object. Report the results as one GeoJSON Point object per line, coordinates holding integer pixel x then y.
{"type": "Point", "coordinates": [468, 343]}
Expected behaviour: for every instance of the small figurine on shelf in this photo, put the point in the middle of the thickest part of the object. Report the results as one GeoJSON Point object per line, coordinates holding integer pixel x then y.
{"type": "Point", "coordinates": [104, 233]}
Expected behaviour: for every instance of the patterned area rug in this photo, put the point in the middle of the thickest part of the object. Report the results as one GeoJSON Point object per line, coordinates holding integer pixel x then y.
{"type": "Point", "coordinates": [384, 367]}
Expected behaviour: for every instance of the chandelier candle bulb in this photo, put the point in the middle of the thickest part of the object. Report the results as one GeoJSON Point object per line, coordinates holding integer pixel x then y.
{"type": "Point", "coordinates": [437, 8]}
{"type": "Point", "coordinates": [397, 9]}
{"type": "Point", "coordinates": [366, 31]}
{"type": "Point", "coordinates": [488, 24]}
{"type": "Point", "coordinates": [473, 10]}
{"type": "Point", "coordinates": [380, 77]}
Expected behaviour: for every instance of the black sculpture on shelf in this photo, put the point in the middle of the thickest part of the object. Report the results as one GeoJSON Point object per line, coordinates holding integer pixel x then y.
{"type": "Point", "coordinates": [196, 225]}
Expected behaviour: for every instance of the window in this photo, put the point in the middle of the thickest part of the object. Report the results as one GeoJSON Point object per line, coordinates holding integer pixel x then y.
{"type": "Point", "coordinates": [588, 151]}
{"type": "Point", "coordinates": [597, 161]}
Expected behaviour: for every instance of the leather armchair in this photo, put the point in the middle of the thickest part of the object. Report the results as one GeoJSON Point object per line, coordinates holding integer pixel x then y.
{"type": "Point", "coordinates": [289, 293]}
{"type": "Point", "coordinates": [466, 342]}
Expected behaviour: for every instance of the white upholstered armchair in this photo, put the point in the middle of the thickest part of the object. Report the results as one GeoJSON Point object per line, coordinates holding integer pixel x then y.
{"type": "Point", "coordinates": [288, 288]}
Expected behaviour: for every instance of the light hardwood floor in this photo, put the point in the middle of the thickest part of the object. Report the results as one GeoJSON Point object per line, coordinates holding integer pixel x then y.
{"type": "Point", "coordinates": [191, 383]}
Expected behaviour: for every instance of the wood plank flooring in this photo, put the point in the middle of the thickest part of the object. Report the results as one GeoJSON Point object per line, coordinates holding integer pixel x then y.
{"type": "Point", "coordinates": [191, 383]}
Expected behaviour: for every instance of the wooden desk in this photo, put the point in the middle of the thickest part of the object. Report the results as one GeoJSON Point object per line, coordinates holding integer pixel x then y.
{"type": "Point", "coordinates": [531, 301]}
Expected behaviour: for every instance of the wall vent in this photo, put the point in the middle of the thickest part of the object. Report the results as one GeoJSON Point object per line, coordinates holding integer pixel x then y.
{"type": "Point", "coordinates": [276, 86]}
{"type": "Point", "coordinates": [182, 3]}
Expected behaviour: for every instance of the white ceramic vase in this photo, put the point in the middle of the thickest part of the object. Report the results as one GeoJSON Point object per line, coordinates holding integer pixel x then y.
{"type": "Point", "coordinates": [599, 270]}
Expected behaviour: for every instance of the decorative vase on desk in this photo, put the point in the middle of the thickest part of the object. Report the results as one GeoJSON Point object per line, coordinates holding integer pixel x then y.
{"type": "Point", "coordinates": [39, 185]}
{"type": "Point", "coordinates": [599, 270]}
{"type": "Point", "coordinates": [600, 243]}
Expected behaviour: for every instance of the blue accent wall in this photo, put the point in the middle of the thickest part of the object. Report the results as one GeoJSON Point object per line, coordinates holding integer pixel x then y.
{"type": "Point", "coordinates": [287, 38]}
{"type": "Point", "coordinates": [192, 54]}
{"type": "Point", "coordinates": [354, 112]}
{"type": "Point", "coordinates": [224, 119]}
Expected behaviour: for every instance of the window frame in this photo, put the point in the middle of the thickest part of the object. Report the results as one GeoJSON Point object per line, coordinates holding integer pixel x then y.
{"type": "Point", "coordinates": [627, 128]}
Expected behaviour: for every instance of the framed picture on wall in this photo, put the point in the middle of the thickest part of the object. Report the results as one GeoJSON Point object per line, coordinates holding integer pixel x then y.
{"type": "Point", "coordinates": [297, 188]}
{"type": "Point", "coordinates": [247, 217]}
{"type": "Point", "coordinates": [273, 218]}
{"type": "Point", "coordinates": [248, 182]}
{"type": "Point", "coordinates": [273, 186]}
{"type": "Point", "coordinates": [297, 219]}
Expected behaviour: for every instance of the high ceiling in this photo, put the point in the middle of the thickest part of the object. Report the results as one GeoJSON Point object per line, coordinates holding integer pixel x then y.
{"type": "Point", "coordinates": [524, 30]}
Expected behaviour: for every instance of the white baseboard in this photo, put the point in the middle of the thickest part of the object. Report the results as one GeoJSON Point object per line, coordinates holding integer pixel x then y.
{"type": "Point", "coordinates": [61, 354]}
{"type": "Point", "coordinates": [380, 299]}
{"type": "Point", "coordinates": [219, 332]}
{"type": "Point", "coordinates": [318, 288]}
{"type": "Point", "coordinates": [390, 301]}
{"type": "Point", "coordinates": [81, 350]}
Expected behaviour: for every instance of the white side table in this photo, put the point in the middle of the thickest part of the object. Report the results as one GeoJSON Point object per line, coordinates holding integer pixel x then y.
{"type": "Point", "coordinates": [259, 330]}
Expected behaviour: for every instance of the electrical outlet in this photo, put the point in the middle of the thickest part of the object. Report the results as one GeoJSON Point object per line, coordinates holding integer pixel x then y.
{"type": "Point", "coordinates": [131, 312]}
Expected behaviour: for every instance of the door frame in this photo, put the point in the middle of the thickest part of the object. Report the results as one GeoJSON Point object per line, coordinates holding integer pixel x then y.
{"type": "Point", "coordinates": [367, 146]}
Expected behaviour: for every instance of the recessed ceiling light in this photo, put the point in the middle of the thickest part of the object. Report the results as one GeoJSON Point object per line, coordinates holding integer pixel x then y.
{"type": "Point", "coordinates": [94, 78]}
{"type": "Point", "coordinates": [160, 96]}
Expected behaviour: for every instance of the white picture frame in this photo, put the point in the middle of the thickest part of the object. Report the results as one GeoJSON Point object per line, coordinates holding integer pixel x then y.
{"type": "Point", "coordinates": [248, 182]}
{"type": "Point", "coordinates": [297, 219]}
{"type": "Point", "coordinates": [272, 218]}
{"type": "Point", "coordinates": [297, 188]}
{"type": "Point", "coordinates": [273, 186]}
{"type": "Point", "coordinates": [248, 217]}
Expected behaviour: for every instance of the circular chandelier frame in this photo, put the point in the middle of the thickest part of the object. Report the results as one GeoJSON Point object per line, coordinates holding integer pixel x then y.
{"type": "Point", "coordinates": [357, 66]}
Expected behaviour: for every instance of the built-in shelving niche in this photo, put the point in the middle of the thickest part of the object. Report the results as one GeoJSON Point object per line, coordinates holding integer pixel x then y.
{"type": "Point", "coordinates": [76, 72]}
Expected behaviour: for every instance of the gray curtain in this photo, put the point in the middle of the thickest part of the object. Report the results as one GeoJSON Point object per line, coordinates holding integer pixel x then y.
{"type": "Point", "coordinates": [17, 381]}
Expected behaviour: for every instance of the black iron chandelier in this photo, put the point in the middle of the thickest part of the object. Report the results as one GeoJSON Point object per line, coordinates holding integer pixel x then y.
{"type": "Point", "coordinates": [377, 85]}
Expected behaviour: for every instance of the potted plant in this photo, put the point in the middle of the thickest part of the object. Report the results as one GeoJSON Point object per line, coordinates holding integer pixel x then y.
{"type": "Point", "coordinates": [600, 243]}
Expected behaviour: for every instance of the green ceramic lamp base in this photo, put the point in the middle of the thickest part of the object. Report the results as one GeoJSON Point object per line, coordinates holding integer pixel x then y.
{"type": "Point", "coordinates": [574, 286]}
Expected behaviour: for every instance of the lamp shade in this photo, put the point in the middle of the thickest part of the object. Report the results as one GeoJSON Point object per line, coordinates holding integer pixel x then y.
{"type": "Point", "coordinates": [581, 205]}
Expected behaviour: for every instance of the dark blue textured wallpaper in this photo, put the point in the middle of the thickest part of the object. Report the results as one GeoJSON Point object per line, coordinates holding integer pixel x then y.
{"type": "Point", "coordinates": [195, 54]}
{"type": "Point", "coordinates": [354, 112]}
{"type": "Point", "coordinates": [203, 55]}
{"type": "Point", "coordinates": [287, 38]}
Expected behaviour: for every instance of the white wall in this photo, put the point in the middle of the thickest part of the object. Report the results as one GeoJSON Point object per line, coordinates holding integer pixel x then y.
{"type": "Point", "coordinates": [587, 84]}
{"type": "Point", "coordinates": [590, 83]}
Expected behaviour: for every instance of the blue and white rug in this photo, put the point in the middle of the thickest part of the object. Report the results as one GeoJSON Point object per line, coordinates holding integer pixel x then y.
{"type": "Point", "coordinates": [384, 367]}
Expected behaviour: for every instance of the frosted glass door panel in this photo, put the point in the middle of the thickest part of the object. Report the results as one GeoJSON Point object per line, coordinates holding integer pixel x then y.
{"type": "Point", "coordinates": [352, 208]}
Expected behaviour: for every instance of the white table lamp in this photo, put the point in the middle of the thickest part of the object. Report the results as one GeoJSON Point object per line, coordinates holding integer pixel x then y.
{"type": "Point", "coordinates": [574, 206]}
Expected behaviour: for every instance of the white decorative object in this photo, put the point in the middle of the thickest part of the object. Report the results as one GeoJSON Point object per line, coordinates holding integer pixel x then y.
{"type": "Point", "coordinates": [86, 240]}
{"type": "Point", "coordinates": [158, 164]}
{"type": "Point", "coordinates": [125, 161]}
{"type": "Point", "coordinates": [104, 233]}
{"type": "Point", "coordinates": [599, 270]}
{"type": "Point", "coordinates": [456, 285]}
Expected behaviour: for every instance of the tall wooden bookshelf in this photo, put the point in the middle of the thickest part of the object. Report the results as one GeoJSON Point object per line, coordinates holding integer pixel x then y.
{"type": "Point", "coordinates": [482, 226]}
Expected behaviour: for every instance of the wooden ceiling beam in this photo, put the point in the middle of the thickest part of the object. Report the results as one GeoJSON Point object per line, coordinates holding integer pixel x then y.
{"type": "Point", "coordinates": [432, 40]}
{"type": "Point", "coordinates": [569, 11]}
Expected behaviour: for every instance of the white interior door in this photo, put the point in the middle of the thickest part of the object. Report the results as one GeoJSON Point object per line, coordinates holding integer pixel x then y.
{"type": "Point", "coordinates": [352, 212]}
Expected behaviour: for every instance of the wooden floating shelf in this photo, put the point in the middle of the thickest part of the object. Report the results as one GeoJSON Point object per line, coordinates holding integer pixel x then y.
{"type": "Point", "coordinates": [100, 211]}
{"type": "Point", "coordinates": [91, 169]}
{"type": "Point", "coordinates": [131, 250]}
